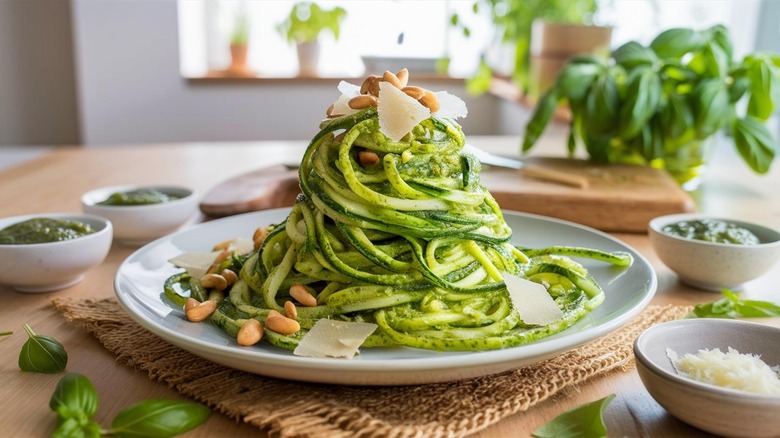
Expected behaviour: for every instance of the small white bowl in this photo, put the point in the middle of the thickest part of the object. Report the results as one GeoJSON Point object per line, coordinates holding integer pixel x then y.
{"type": "Point", "coordinates": [718, 410]}
{"type": "Point", "coordinates": [135, 225]}
{"type": "Point", "coordinates": [714, 266]}
{"type": "Point", "coordinates": [45, 267]}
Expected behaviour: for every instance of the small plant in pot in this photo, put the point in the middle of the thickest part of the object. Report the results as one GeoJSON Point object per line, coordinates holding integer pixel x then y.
{"type": "Point", "coordinates": [303, 27]}
{"type": "Point", "coordinates": [239, 46]}
{"type": "Point", "coordinates": [661, 105]}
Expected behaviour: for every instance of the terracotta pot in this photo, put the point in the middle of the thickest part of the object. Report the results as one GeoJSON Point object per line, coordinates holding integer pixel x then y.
{"type": "Point", "coordinates": [238, 56]}
{"type": "Point", "coordinates": [552, 44]}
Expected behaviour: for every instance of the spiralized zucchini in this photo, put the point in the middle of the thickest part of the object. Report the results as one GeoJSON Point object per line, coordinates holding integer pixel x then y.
{"type": "Point", "coordinates": [413, 243]}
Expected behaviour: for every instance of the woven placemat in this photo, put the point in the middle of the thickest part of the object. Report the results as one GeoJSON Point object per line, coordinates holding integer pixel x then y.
{"type": "Point", "coordinates": [286, 408]}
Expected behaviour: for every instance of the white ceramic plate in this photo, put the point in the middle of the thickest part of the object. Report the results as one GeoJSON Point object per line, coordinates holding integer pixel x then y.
{"type": "Point", "coordinates": [140, 278]}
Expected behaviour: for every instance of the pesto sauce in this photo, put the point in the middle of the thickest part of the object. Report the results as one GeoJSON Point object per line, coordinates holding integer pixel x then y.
{"type": "Point", "coordinates": [139, 197]}
{"type": "Point", "coordinates": [711, 230]}
{"type": "Point", "coordinates": [43, 230]}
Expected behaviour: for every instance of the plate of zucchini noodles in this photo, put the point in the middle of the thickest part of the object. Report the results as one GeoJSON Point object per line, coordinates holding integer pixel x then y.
{"type": "Point", "coordinates": [139, 288]}
{"type": "Point", "coordinates": [394, 266]}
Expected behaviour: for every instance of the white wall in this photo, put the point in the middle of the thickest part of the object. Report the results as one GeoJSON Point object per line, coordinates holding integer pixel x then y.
{"type": "Point", "coordinates": [130, 89]}
{"type": "Point", "coordinates": [37, 89]}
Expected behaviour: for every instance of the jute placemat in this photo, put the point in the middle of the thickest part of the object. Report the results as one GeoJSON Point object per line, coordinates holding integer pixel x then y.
{"type": "Point", "coordinates": [287, 409]}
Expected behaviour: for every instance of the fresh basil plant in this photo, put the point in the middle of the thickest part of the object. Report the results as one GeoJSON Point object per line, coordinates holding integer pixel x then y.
{"type": "Point", "coordinates": [645, 103]}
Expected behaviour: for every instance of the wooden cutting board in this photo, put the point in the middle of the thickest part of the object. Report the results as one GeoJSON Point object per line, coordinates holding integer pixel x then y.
{"type": "Point", "coordinates": [618, 198]}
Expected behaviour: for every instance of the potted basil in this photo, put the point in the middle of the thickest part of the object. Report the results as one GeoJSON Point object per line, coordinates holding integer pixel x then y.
{"type": "Point", "coordinates": [303, 27]}
{"type": "Point", "coordinates": [661, 104]}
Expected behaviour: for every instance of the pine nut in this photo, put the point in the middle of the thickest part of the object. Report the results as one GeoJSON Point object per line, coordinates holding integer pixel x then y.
{"type": "Point", "coordinates": [190, 303]}
{"type": "Point", "coordinates": [362, 101]}
{"type": "Point", "coordinates": [290, 310]}
{"type": "Point", "coordinates": [403, 77]}
{"type": "Point", "coordinates": [392, 79]}
{"type": "Point", "coordinates": [302, 295]}
{"type": "Point", "coordinates": [201, 312]}
{"type": "Point", "coordinates": [373, 85]}
{"type": "Point", "coordinates": [282, 324]}
{"type": "Point", "coordinates": [220, 258]}
{"type": "Point", "coordinates": [329, 111]}
{"type": "Point", "coordinates": [213, 281]}
{"type": "Point", "coordinates": [431, 101]}
{"type": "Point", "coordinates": [367, 158]}
{"type": "Point", "coordinates": [230, 276]}
{"type": "Point", "coordinates": [366, 82]}
{"type": "Point", "coordinates": [225, 244]}
{"type": "Point", "coordinates": [259, 237]}
{"type": "Point", "coordinates": [414, 92]}
{"type": "Point", "coordinates": [250, 333]}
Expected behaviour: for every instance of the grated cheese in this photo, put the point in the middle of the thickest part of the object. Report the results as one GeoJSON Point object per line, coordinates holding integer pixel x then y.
{"type": "Point", "coordinates": [744, 372]}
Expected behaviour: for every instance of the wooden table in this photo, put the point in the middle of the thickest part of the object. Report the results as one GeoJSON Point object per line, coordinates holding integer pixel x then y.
{"type": "Point", "coordinates": [55, 182]}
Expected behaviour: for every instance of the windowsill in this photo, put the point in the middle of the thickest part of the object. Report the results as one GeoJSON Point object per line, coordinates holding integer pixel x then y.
{"type": "Point", "coordinates": [223, 76]}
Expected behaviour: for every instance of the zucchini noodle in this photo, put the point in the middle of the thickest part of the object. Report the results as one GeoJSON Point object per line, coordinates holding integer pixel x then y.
{"type": "Point", "coordinates": [413, 243]}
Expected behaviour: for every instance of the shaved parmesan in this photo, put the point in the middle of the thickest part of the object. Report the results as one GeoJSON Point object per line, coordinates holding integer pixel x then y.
{"type": "Point", "coordinates": [196, 263]}
{"type": "Point", "coordinates": [332, 338]}
{"type": "Point", "coordinates": [398, 113]}
{"type": "Point", "coordinates": [451, 106]}
{"type": "Point", "coordinates": [241, 246]}
{"type": "Point", "coordinates": [341, 106]}
{"type": "Point", "coordinates": [743, 372]}
{"type": "Point", "coordinates": [349, 90]}
{"type": "Point", "coordinates": [532, 302]}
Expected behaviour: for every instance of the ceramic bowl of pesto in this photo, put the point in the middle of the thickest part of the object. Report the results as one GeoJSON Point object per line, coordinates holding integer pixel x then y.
{"type": "Point", "coordinates": [712, 253]}
{"type": "Point", "coordinates": [51, 251]}
{"type": "Point", "coordinates": [141, 213]}
{"type": "Point", "coordinates": [696, 370]}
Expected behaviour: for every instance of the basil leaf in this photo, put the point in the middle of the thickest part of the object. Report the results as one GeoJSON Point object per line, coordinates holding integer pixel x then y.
{"type": "Point", "coordinates": [715, 60]}
{"type": "Point", "coordinates": [676, 117]}
{"type": "Point", "coordinates": [720, 36]}
{"type": "Point", "coordinates": [674, 43]}
{"type": "Point", "coordinates": [754, 143]}
{"type": "Point", "coordinates": [586, 421]}
{"type": "Point", "coordinates": [539, 120]}
{"type": "Point", "coordinates": [72, 428]}
{"type": "Point", "coordinates": [159, 418]}
{"type": "Point", "coordinates": [642, 99]}
{"type": "Point", "coordinates": [761, 78]}
{"type": "Point", "coordinates": [732, 306]}
{"type": "Point", "coordinates": [633, 54]}
{"type": "Point", "coordinates": [711, 109]}
{"type": "Point", "coordinates": [574, 80]}
{"type": "Point", "coordinates": [42, 354]}
{"type": "Point", "coordinates": [74, 394]}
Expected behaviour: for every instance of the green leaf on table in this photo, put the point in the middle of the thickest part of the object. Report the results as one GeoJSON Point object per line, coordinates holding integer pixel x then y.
{"type": "Point", "coordinates": [73, 428]}
{"type": "Point", "coordinates": [586, 421]}
{"type": "Point", "coordinates": [42, 354]}
{"type": "Point", "coordinates": [73, 396]}
{"type": "Point", "coordinates": [158, 418]}
{"type": "Point", "coordinates": [732, 306]}
{"type": "Point", "coordinates": [754, 143]}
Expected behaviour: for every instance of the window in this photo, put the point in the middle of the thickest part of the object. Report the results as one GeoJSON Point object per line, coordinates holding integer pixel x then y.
{"type": "Point", "coordinates": [418, 29]}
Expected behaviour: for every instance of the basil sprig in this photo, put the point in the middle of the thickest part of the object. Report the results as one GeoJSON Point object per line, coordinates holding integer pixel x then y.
{"type": "Point", "coordinates": [586, 421]}
{"type": "Point", "coordinates": [42, 354]}
{"type": "Point", "coordinates": [75, 401]}
{"type": "Point", "coordinates": [643, 103]}
{"type": "Point", "coordinates": [732, 306]}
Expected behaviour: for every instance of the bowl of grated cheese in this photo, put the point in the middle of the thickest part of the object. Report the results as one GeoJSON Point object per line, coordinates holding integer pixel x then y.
{"type": "Point", "coordinates": [718, 375]}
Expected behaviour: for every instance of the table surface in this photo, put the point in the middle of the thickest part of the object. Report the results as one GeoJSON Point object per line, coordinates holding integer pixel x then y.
{"type": "Point", "coordinates": [55, 181]}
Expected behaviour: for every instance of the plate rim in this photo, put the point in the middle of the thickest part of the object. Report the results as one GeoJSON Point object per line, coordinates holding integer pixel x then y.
{"type": "Point", "coordinates": [269, 357]}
